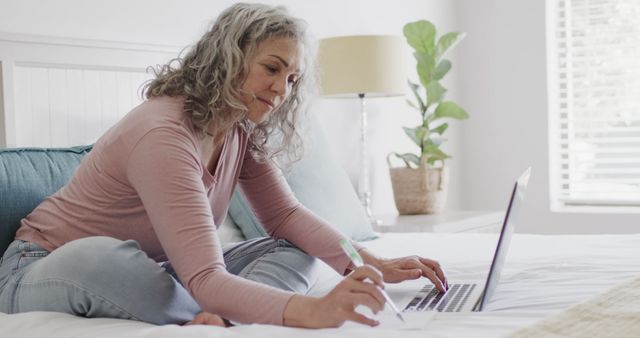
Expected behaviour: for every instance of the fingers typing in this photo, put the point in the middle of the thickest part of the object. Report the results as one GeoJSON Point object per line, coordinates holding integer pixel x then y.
{"type": "Point", "coordinates": [435, 266]}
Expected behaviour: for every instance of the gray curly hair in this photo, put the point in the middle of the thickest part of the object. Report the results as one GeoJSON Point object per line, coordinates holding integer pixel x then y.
{"type": "Point", "coordinates": [211, 73]}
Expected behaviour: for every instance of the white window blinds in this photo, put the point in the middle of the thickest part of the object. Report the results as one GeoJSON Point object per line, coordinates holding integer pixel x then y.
{"type": "Point", "coordinates": [595, 103]}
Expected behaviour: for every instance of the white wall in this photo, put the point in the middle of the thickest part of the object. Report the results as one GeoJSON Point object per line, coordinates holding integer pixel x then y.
{"type": "Point", "coordinates": [504, 88]}
{"type": "Point", "coordinates": [499, 76]}
{"type": "Point", "coordinates": [181, 23]}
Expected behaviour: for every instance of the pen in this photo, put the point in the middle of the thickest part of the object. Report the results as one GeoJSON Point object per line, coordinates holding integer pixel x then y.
{"type": "Point", "coordinates": [358, 262]}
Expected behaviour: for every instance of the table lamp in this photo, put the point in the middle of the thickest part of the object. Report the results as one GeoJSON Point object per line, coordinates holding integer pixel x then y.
{"type": "Point", "coordinates": [363, 66]}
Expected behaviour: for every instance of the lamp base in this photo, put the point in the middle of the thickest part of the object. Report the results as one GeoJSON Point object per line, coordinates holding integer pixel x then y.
{"type": "Point", "coordinates": [363, 181]}
{"type": "Point", "coordinates": [365, 199]}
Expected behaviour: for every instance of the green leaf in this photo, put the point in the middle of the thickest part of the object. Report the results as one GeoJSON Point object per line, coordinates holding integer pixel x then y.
{"type": "Point", "coordinates": [413, 105]}
{"type": "Point", "coordinates": [416, 134]}
{"type": "Point", "coordinates": [414, 88]}
{"type": "Point", "coordinates": [441, 70]}
{"type": "Point", "coordinates": [436, 139]}
{"type": "Point", "coordinates": [432, 153]}
{"type": "Point", "coordinates": [409, 158]}
{"type": "Point", "coordinates": [433, 140]}
{"type": "Point", "coordinates": [432, 161]}
{"type": "Point", "coordinates": [422, 134]}
{"type": "Point", "coordinates": [435, 93]}
{"type": "Point", "coordinates": [425, 67]}
{"type": "Point", "coordinates": [440, 129]}
{"type": "Point", "coordinates": [447, 41]}
{"type": "Point", "coordinates": [426, 143]}
{"type": "Point", "coordinates": [412, 135]}
{"type": "Point", "coordinates": [421, 35]}
{"type": "Point", "coordinates": [450, 109]}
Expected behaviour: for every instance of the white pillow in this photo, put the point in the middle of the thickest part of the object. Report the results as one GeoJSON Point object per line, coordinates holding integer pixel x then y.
{"type": "Point", "coordinates": [320, 184]}
{"type": "Point", "coordinates": [229, 232]}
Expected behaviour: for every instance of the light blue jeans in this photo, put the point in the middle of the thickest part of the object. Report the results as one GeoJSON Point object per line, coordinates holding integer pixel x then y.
{"type": "Point", "coordinates": [106, 277]}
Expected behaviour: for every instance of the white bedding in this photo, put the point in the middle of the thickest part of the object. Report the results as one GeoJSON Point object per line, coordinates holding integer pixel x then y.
{"type": "Point", "coordinates": [543, 275]}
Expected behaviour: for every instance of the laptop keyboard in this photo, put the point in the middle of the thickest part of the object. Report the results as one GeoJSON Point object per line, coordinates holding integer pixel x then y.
{"type": "Point", "coordinates": [429, 299]}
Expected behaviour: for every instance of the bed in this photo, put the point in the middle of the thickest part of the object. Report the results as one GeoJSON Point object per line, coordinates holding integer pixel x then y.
{"type": "Point", "coordinates": [543, 276]}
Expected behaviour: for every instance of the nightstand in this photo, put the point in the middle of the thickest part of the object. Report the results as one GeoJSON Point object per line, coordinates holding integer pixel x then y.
{"type": "Point", "coordinates": [448, 221]}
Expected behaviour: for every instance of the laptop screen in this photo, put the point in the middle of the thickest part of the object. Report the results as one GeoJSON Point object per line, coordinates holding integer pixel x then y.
{"type": "Point", "coordinates": [511, 219]}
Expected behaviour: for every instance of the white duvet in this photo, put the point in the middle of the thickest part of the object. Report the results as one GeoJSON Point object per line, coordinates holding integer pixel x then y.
{"type": "Point", "coordinates": [543, 275]}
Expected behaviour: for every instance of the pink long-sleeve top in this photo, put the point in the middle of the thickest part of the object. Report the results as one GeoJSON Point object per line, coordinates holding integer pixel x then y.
{"type": "Point", "coordinates": [144, 180]}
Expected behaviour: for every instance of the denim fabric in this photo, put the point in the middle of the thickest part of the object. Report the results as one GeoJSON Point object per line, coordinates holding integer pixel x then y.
{"type": "Point", "coordinates": [27, 176]}
{"type": "Point", "coordinates": [277, 263]}
{"type": "Point", "coordinates": [106, 277]}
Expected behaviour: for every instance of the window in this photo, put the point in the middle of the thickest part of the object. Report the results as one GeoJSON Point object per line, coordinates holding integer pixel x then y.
{"type": "Point", "coordinates": [594, 101]}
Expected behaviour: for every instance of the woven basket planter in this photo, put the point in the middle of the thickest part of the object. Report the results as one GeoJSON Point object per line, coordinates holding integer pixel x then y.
{"type": "Point", "coordinates": [419, 191]}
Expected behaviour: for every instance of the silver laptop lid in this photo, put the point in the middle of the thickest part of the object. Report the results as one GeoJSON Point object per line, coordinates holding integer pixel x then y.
{"type": "Point", "coordinates": [511, 219]}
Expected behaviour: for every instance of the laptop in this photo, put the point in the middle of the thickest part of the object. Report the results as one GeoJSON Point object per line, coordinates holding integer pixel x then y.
{"type": "Point", "coordinates": [468, 296]}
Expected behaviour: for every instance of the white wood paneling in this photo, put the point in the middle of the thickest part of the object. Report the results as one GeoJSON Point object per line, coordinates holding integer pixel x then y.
{"type": "Point", "coordinates": [65, 92]}
{"type": "Point", "coordinates": [75, 108]}
{"type": "Point", "coordinates": [59, 107]}
{"type": "Point", "coordinates": [6, 101]}
{"type": "Point", "coordinates": [38, 122]}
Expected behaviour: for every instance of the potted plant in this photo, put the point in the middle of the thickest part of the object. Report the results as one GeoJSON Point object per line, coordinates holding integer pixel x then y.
{"type": "Point", "coordinates": [421, 185]}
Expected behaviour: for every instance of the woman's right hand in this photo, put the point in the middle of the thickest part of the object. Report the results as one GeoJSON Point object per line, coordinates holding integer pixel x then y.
{"type": "Point", "coordinates": [206, 318]}
{"type": "Point", "coordinates": [360, 287]}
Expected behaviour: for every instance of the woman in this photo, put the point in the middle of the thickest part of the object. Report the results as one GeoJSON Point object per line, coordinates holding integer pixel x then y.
{"type": "Point", "coordinates": [156, 185]}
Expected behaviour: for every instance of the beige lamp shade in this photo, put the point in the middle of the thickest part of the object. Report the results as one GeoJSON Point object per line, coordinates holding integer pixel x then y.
{"type": "Point", "coordinates": [363, 64]}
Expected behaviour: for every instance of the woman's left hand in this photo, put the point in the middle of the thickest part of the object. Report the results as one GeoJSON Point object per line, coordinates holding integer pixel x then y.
{"type": "Point", "coordinates": [395, 270]}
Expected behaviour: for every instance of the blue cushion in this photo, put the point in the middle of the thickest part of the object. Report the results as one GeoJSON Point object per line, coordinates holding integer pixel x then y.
{"type": "Point", "coordinates": [320, 184]}
{"type": "Point", "coordinates": [27, 176]}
